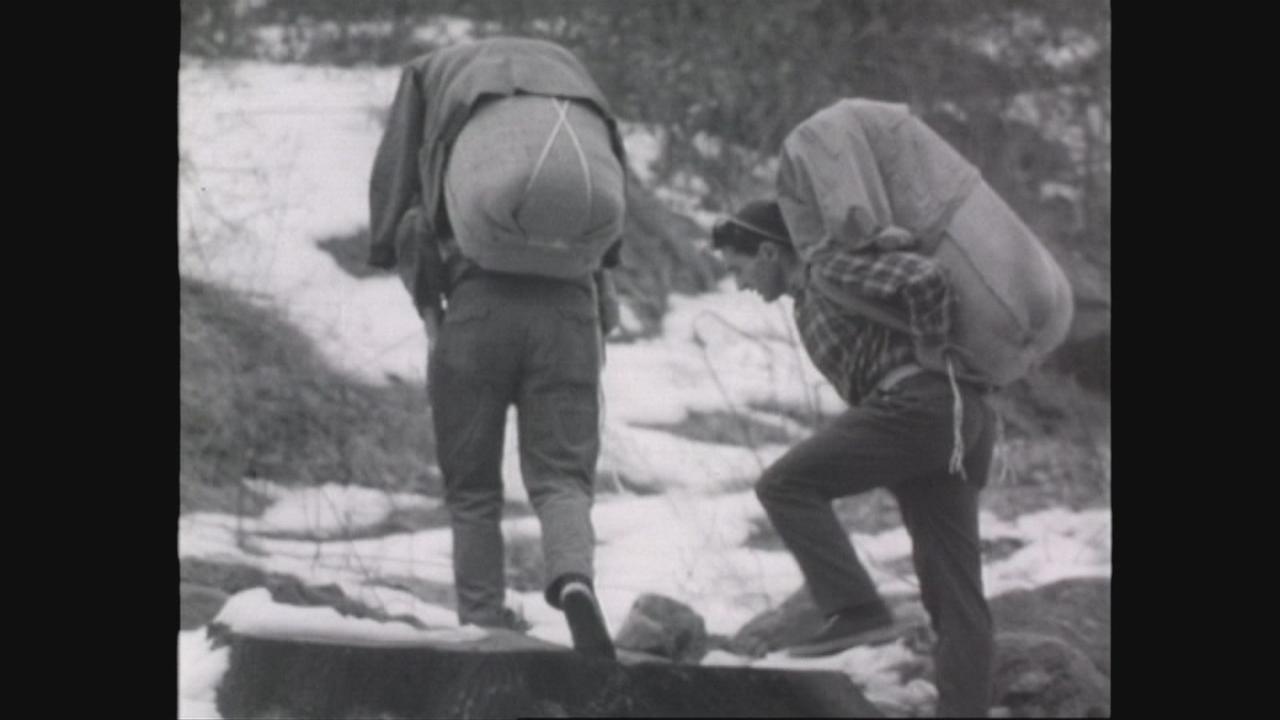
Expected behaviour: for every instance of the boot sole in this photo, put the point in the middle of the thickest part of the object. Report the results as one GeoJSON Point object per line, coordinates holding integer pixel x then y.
{"type": "Point", "coordinates": [586, 625]}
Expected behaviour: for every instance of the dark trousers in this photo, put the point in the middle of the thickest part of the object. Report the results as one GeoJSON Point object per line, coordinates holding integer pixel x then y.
{"type": "Point", "coordinates": [533, 343]}
{"type": "Point", "coordinates": [900, 440]}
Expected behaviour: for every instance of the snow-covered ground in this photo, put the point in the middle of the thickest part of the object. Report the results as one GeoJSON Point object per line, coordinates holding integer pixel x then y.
{"type": "Point", "coordinates": [275, 158]}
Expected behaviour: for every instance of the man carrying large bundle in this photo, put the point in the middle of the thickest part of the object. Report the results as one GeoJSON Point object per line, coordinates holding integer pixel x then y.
{"type": "Point", "coordinates": [917, 291]}
{"type": "Point", "coordinates": [498, 194]}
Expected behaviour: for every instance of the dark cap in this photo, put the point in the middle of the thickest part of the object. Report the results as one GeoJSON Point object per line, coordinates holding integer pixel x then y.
{"type": "Point", "coordinates": [756, 222]}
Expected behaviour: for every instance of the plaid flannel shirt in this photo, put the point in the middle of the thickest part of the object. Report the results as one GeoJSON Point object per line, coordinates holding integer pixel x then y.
{"type": "Point", "coordinates": [852, 352]}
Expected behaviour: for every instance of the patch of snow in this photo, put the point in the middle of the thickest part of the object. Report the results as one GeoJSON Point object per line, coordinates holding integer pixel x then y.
{"type": "Point", "coordinates": [254, 612]}
{"type": "Point", "coordinates": [200, 670]}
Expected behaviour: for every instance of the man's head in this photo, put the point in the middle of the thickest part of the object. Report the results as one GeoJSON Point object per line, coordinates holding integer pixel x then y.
{"type": "Point", "coordinates": [756, 246]}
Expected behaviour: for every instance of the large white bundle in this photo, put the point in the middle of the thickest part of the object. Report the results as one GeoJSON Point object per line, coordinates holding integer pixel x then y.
{"type": "Point", "coordinates": [859, 166]}
{"type": "Point", "coordinates": [533, 186]}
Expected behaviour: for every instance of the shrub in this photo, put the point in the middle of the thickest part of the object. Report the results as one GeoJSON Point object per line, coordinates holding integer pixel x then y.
{"type": "Point", "coordinates": [257, 400]}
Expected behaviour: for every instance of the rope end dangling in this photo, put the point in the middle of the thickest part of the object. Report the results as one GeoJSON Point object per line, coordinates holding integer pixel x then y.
{"type": "Point", "coordinates": [956, 465]}
{"type": "Point", "coordinates": [1001, 450]}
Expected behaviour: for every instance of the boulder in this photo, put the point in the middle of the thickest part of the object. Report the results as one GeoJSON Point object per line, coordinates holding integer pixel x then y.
{"type": "Point", "coordinates": [1044, 676]}
{"type": "Point", "coordinates": [797, 618]}
{"type": "Point", "coordinates": [792, 621]}
{"type": "Point", "coordinates": [658, 625]}
{"type": "Point", "coordinates": [1077, 610]}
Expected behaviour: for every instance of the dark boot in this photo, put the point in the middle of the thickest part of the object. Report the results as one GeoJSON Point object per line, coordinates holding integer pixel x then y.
{"type": "Point", "coordinates": [586, 622]}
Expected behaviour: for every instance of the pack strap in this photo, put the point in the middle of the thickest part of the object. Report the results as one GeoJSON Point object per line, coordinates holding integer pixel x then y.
{"type": "Point", "coordinates": [562, 108]}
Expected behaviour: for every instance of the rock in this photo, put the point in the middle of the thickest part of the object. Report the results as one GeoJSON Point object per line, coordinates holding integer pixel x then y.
{"type": "Point", "coordinates": [1077, 610]}
{"type": "Point", "coordinates": [792, 621]}
{"type": "Point", "coordinates": [272, 674]}
{"type": "Point", "coordinates": [1053, 654]}
{"type": "Point", "coordinates": [797, 618]}
{"type": "Point", "coordinates": [658, 625]}
{"type": "Point", "coordinates": [1043, 676]}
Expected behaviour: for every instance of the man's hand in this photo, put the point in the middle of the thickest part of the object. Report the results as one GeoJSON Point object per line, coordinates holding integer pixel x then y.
{"type": "Point", "coordinates": [894, 238]}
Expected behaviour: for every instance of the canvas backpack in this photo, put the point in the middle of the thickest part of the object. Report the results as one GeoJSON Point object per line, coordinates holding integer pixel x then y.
{"type": "Point", "coordinates": [533, 186]}
{"type": "Point", "coordinates": [858, 171]}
